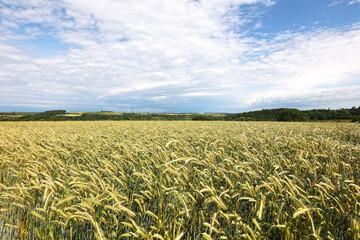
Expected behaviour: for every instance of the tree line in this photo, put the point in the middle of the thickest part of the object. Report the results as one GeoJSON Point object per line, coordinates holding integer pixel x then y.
{"type": "Point", "coordinates": [278, 114]}
{"type": "Point", "coordinates": [293, 114]}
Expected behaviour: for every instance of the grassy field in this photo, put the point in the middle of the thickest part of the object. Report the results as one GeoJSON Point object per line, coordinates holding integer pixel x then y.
{"type": "Point", "coordinates": [179, 180]}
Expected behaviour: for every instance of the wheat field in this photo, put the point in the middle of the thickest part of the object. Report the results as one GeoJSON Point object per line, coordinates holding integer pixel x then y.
{"type": "Point", "coordinates": [179, 180]}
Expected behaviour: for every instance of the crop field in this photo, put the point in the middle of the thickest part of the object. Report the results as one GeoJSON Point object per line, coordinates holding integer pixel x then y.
{"type": "Point", "coordinates": [179, 180]}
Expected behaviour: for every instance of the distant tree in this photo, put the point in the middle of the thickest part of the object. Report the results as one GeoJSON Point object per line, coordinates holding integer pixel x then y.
{"type": "Point", "coordinates": [7, 113]}
{"type": "Point", "coordinates": [291, 115]}
{"type": "Point", "coordinates": [356, 119]}
{"type": "Point", "coordinates": [55, 112]}
{"type": "Point", "coordinates": [206, 118]}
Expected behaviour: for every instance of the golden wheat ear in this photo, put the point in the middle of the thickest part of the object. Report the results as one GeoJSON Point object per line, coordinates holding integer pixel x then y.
{"type": "Point", "coordinates": [179, 180]}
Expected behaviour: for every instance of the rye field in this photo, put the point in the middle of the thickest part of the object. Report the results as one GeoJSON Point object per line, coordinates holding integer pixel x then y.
{"type": "Point", "coordinates": [179, 180]}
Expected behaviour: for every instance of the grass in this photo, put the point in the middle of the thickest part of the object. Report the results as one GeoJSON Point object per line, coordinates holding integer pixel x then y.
{"type": "Point", "coordinates": [179, 180]}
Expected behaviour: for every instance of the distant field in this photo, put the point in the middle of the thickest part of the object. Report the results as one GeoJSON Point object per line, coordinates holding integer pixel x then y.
{"type": "Point", "coordinates": [105, 113]}
{"type": "Point", "coordinates": [71, 114]}
{"type": "Point", "coordinates": [120, 113]}
{"type": "Point", "coordinates": [179, 180]}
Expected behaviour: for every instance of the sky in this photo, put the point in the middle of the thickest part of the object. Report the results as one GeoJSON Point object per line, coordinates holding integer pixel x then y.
{"type": "Point", "coordinates": [179, 55]}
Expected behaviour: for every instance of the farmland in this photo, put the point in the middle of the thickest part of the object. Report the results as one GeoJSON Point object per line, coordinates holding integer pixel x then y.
{"type": "Point", "coordinates": [179, 180]}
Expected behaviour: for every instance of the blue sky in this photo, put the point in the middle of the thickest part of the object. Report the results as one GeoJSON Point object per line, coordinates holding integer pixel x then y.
{"type": "Point", "coordinates": [179, 55]}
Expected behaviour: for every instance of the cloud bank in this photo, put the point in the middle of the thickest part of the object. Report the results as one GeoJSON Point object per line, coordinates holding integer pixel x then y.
{"type": "Point", "coordinates": [169, 55]}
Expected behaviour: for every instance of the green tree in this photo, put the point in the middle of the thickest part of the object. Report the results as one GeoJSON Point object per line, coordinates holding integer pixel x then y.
{"type": "Point", "coordinates": [291, 115]}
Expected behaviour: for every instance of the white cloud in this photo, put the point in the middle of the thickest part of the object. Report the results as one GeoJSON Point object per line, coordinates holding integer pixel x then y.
{"type": "Point", "coordinates": [338, 2]}
{"type": "Point", "coordinates": [354, 1]}
{"type": "Point", "coordinates": [200, 94]}
{"type": "Point", "coordinates": [321, 60]}
{"type": "Point", "coordinates": [158, 98]}
{"type": "Point", "coordinates": [164, 49]}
